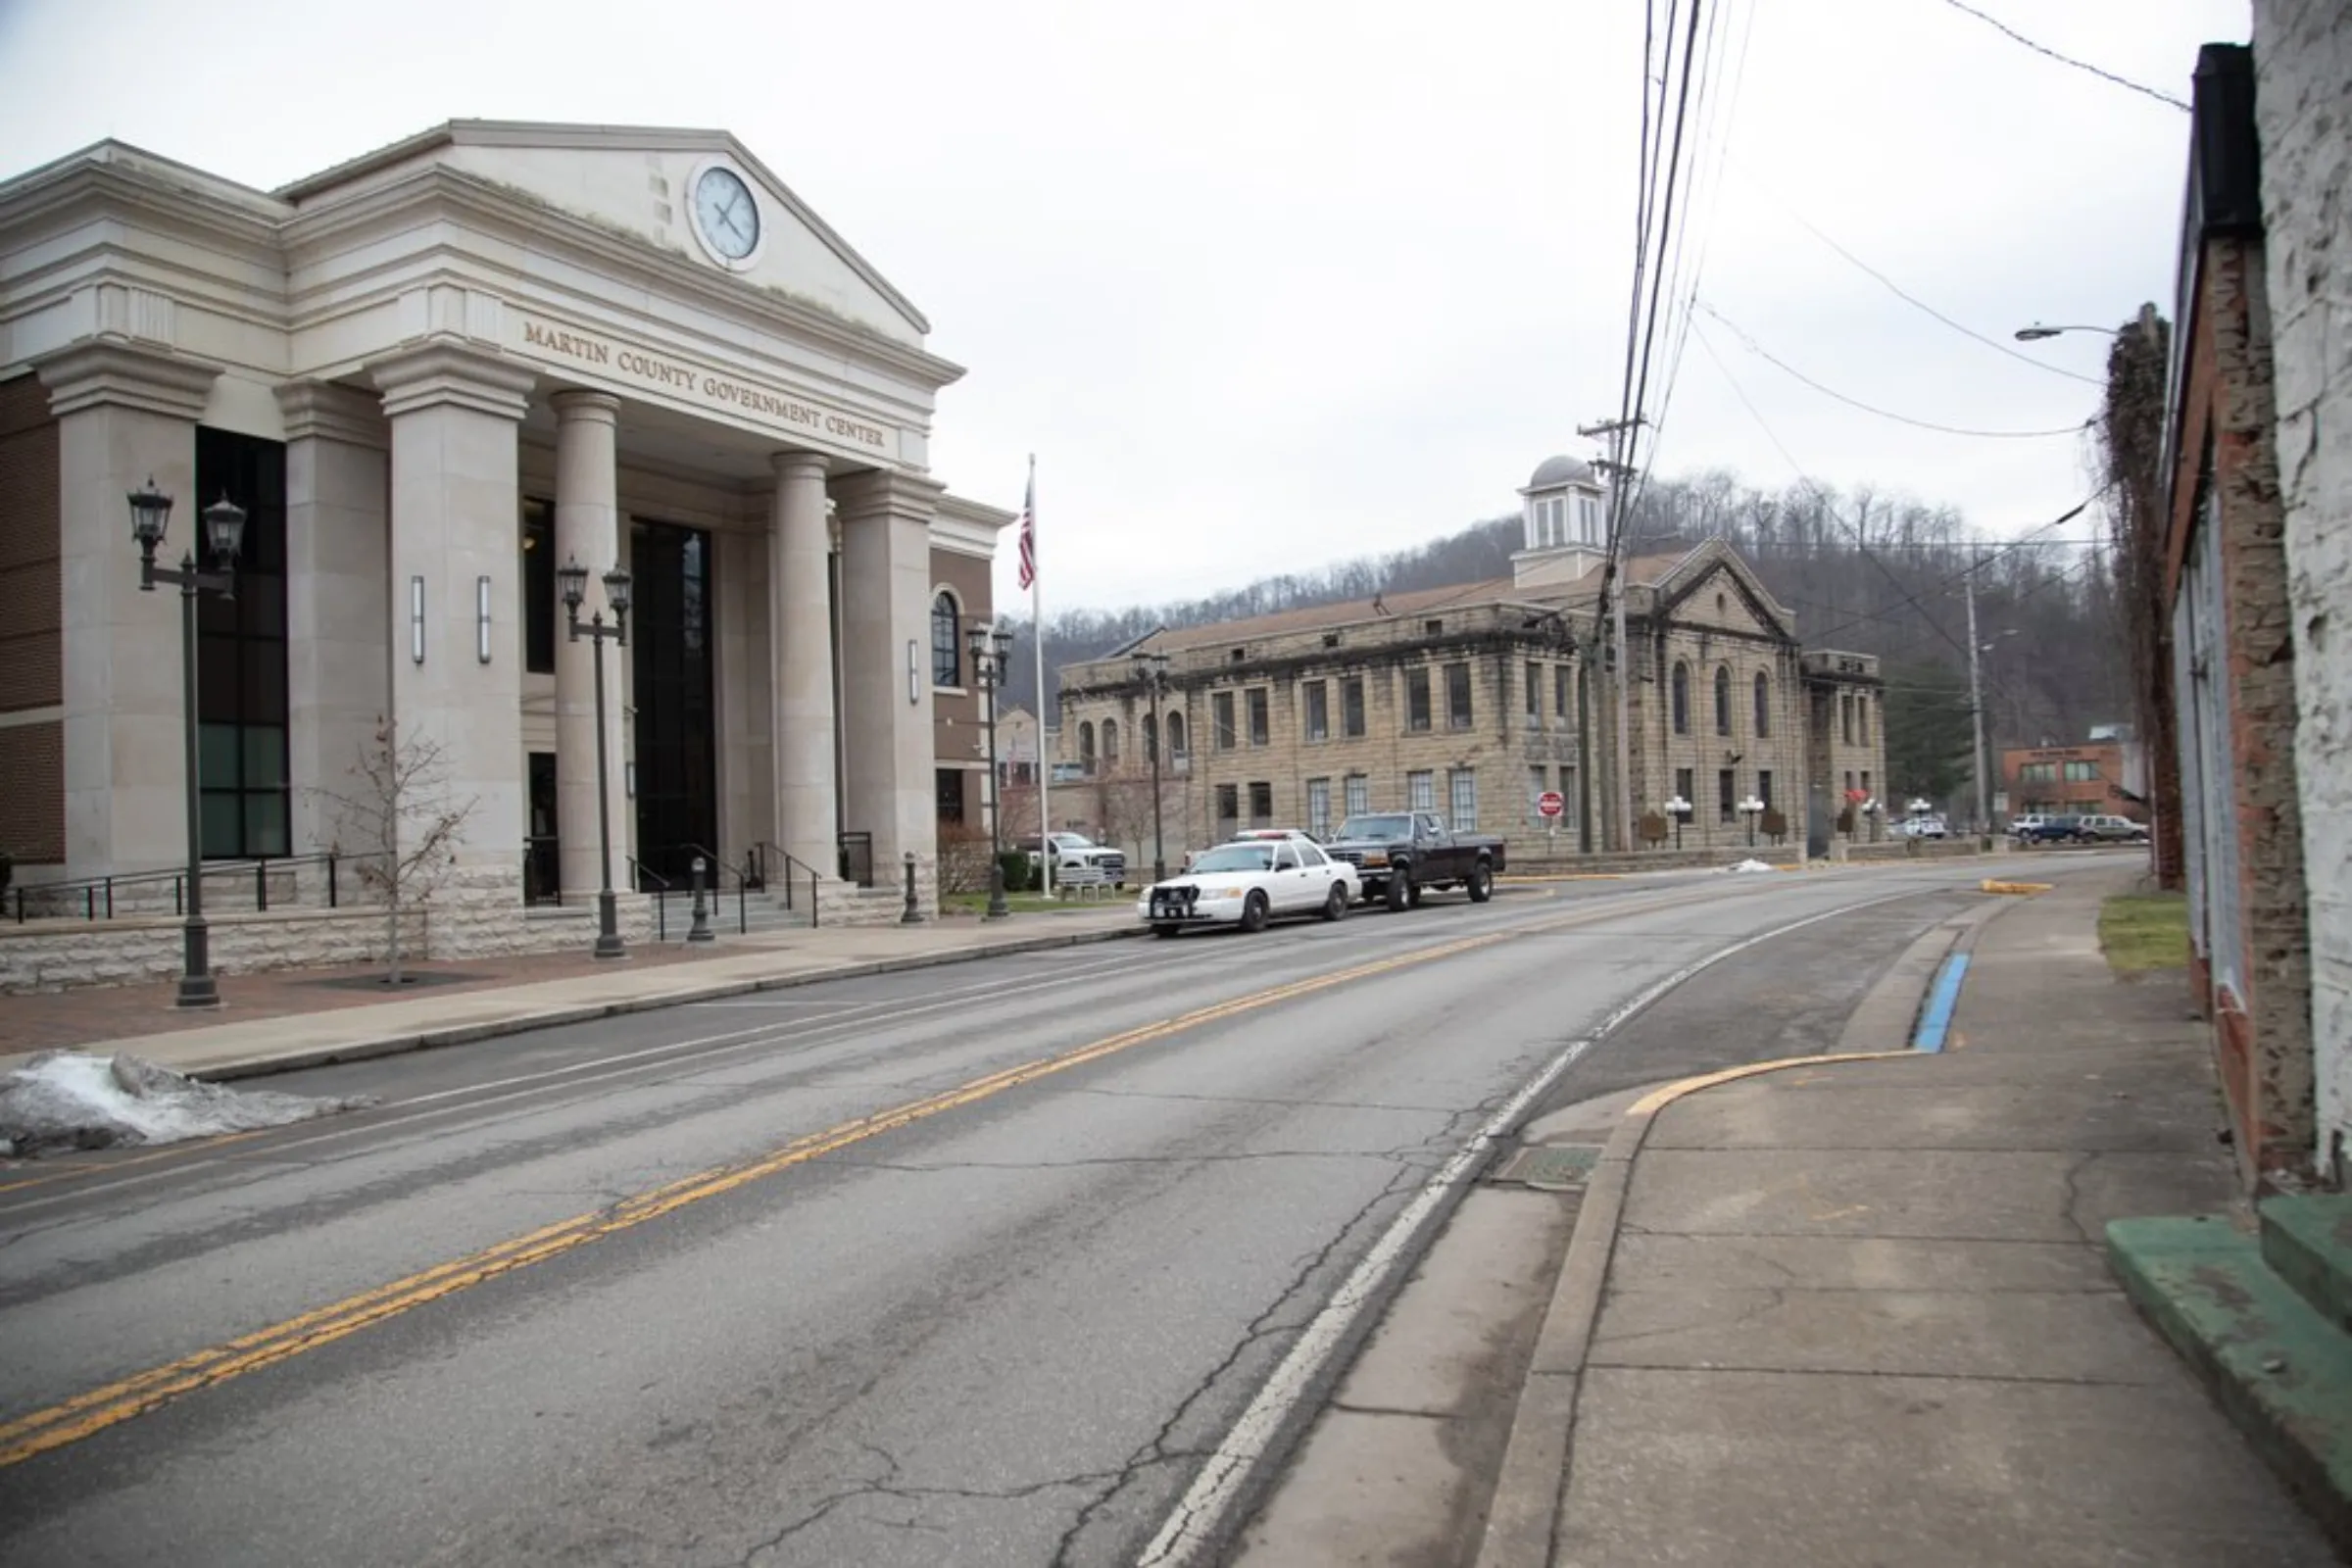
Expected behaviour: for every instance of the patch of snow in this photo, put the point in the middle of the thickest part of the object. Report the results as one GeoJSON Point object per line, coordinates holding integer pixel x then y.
{"type": "Point", "coordinates": [66, 1100]}
{"type": "Point", "coordinates": [1749, 865]}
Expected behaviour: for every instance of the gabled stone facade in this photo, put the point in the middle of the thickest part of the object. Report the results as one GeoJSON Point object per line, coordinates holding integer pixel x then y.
{"type": "Point", "coordinates": [1466, 700]}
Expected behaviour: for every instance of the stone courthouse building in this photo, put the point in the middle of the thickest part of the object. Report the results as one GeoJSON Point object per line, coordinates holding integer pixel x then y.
{"type": "Point", "coordinates": [1464, 700]}
{"type": "Point", "coordinates": [429, 376]}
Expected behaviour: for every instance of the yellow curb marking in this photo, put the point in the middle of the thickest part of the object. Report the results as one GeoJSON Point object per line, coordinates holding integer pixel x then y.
{"type": "Point", "coordinates": [91, 1412]}
{"type": "Point", "coordinates": [1667, 1094]}
{"type": "Point", "coordinates": [1991, 884]}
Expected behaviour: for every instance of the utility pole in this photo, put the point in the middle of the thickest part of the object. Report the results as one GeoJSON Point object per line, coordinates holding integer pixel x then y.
{"type": "Point", "coordinates": [1621, 434]}
{"type": "Point", "coordinates": [1976, 713]}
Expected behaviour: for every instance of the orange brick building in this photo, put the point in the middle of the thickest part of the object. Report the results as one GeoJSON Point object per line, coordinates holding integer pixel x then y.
{"type": "Point", "coordinates": [2056, 780]}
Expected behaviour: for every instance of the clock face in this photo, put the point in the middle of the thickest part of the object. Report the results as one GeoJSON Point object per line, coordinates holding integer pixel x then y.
{"type": "Point", "coordinates": [726, 213]}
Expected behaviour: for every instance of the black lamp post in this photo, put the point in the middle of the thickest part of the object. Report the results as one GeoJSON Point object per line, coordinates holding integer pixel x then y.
{"type": "Point", "coordinates": [224, 534]}
{"type": "Point", "coordinates": [1154, 667]}
{"type": "Point", "coordinates": [571, 581]}
{"type": "Point", "coordinates": [990, 648]}
{"type": "Point", "coordinates": [1751, 809]}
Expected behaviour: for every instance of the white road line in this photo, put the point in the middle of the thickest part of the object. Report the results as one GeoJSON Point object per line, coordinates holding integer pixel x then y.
{"type": "Point", "coordinates": [1199, 1516]}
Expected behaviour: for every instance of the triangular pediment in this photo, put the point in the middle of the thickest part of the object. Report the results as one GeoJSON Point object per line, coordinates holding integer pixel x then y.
{"type": "Point", "coordinates": [1712, 587]}
{"type": "Point", "coordinates": [641, 181]}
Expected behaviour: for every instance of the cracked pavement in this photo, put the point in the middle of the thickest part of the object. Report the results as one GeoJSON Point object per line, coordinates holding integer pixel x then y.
{"type": "Point", "coordinates": [1006, 1332]}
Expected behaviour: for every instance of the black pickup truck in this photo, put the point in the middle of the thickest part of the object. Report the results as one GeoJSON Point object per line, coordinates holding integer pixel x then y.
{"type": "Point", "coordinates": [1401, 854]}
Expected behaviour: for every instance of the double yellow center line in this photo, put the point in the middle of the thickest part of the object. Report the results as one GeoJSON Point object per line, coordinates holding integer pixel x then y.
{"type": "Point", "coordinates": [94, 1411]}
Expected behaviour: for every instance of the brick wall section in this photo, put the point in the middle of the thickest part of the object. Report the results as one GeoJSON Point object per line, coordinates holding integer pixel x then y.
{"type": "Point", "coordinates": [2303, 115]}
{"type": "Point", "coordinates": [32, 774]}
{"type": "Point", "coordinates": [2262, 1041]}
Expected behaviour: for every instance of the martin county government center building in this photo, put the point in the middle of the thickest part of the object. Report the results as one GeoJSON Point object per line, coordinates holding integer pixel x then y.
{"type": "Point", "coordinates": [429, 376]}
{"type": "Point", "coordinates": [1464, 700]}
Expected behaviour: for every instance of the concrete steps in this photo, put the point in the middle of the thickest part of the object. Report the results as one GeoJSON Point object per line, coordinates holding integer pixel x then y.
{"type": "Point", "coordinates": [2266, 1321]}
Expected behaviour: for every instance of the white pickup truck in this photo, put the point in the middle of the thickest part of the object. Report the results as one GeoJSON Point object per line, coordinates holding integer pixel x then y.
{"type": "Point", "coordinates": [1079, 862]}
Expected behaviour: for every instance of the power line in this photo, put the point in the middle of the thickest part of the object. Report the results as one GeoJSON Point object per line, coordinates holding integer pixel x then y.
{"type": "Point", "coordinates": [1762, 353]}
{"type": "Point", "coordinates": [2067, 60]}
{"type": "Point", "coordinates": [1789, 210]}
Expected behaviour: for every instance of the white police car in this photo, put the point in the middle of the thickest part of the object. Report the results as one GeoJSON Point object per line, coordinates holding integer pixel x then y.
{"type": "Point", "coordinates": [1248, 883]}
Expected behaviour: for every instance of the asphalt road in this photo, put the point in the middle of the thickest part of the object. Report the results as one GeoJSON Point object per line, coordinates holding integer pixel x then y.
{"type": "Point", "coordinates": [967, 1265]}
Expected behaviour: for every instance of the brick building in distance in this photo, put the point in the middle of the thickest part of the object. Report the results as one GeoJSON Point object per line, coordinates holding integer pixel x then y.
{"type": "Point", "coordinates": [2090, 779]}
{"type": "Point", "coordinates": [1466, 700]}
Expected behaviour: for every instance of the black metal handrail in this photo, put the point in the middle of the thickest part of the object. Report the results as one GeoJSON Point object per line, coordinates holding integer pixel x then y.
{"type": "Point", "coordinates": [639, 875]}
{"type": "Point", "coordinates": [98, 892]}
{"type": "Point", "coordinates": [757, 860]}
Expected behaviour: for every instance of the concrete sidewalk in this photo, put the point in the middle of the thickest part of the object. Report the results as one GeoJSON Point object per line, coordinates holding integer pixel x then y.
{"type": "Point", "coordinates": [277, 1022]}
{"type": "Point", "coordinates": [1859, 1311]}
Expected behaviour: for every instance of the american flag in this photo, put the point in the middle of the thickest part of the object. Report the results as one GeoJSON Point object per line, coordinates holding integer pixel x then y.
{"type": "Point", "coordinates": [1029, 534]}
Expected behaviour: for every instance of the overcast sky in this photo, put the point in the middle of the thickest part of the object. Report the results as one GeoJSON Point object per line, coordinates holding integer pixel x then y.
{"type": "Point", "coordinates": [1268, 284]}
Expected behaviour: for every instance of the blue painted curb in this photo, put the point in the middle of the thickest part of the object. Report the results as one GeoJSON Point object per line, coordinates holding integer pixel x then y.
{"type": "Point", "coordinates": [1935, 1020]}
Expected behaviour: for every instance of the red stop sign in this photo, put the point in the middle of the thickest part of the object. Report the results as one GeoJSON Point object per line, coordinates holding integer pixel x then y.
{"type": "Point", "coordinates": [1549, 803]}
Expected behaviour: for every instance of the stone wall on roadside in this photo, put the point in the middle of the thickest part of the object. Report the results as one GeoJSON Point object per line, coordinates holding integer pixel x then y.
{"type": "Point", "coordinates": [2303, 116]}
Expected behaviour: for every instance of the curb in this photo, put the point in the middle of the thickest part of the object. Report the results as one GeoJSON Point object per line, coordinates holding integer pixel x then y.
{"type": "Point", "coordinates": [433, 1039]}
{"type": "Point", "coordinates": [1523, 1515]}
{"type": "Point", "coordinates": [1523, 1512]}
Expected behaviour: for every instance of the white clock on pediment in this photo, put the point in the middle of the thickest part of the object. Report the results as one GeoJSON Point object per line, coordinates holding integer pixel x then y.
{"type": "Point", "coordinates": [726, 216]}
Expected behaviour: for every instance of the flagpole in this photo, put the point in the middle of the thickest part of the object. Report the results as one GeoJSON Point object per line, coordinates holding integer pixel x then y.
{"type": "Point", "coordinates": [1037, 639]}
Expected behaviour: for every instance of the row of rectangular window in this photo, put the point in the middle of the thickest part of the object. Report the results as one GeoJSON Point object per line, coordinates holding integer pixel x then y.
{"type": "Point", "coordinates": [1420, 717]}
{"type": "Point", "coordinates": [2048, 773]}
{"type": "Point", "coordinates": [1420, 790]}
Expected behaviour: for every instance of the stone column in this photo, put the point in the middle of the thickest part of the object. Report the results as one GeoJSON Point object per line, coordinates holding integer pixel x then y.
{"type": "Point", "coordinates": [800, 629]}
{"type": "Point", "coordinates": [338, 614]}
{"type": "Point", "coordinates": [588, 531]}
{"type": "Point", "coordinates": [124, 415]}
{"type": "Point", "coordinates": [886, 596]}
{"type": "Point", "coordinates": [455, 499]}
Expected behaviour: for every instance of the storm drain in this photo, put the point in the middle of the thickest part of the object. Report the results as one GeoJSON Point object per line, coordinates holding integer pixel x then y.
{"type": "Point", "coordinates": [1552, 1168]}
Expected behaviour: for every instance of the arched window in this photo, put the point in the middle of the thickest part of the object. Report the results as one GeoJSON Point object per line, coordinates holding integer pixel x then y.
{"type": "Point", "coordinates": [1723, 699]}
{"type": "Point", "coordinates": [1682, 698]}
{"type": "Point", "coordinates": [1110, 744]}
{"type": "Point", "coordinates": [1763, 704]}
{"type": "Point", "coordinates": [1175, 734]}
{"type": "Point", "coordinates": [1151, 739]}
{"type": "Point", "coordinates": [1086, 746]}
{"type": "Point", "coordinates": [947, 642]}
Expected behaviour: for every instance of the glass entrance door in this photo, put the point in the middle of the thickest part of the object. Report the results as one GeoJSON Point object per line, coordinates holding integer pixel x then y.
{"type": "Point", "coordinates": [670, 644]}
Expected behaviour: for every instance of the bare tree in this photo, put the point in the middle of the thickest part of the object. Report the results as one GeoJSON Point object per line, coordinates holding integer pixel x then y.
{"type": "Point", "coordinates": [402, 823]}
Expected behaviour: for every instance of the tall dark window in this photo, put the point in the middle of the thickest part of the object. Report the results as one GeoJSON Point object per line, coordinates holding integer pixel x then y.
{"type": "Point", "coordinates": [947, 642]}
{"type": "Point", "coordinates": [1725, 798]}
{"type": "Point", "coordinates": [1723, 700]}
{"type": "Point", "coordinates": [1351, 707]}
{"type": "Point", "coordinates": [1682, 698]}
{"type": "Point", "coordinates": [1416, 698]}
{"type": "Point", "coordinates": [241, 654]}
{"type": "Point", "coordinates": [1261, 804]}
{"type": "Point", "coordinates": [670, 638]}
{"type": "Point", "coordinates": [539, 614]}
{"type": "Point", "coordinates": [1763, 704]}
{"type": "Point", "coordinates": [947, 785]}
{"type": "Point", "coordinates": [1260, 730]}
{"type": "Point", "coordinates": [1318, 711]}
{"type": "Point", "coordinates": [1220, 708]}
{"type": "Point", "coordinates": [1457, 696]}
{"type": "Point", "coordinates": [1176, 735]}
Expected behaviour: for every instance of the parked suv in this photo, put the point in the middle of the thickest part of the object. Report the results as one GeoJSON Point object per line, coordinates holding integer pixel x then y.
{"type": "Point", "coordinates": [2035, 828]}
{"type": "Point", "coordinates": [2112, 830]}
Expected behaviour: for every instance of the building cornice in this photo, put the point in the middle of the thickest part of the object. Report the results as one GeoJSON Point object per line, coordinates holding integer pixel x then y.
{"type": "Point", "coordinates": [113, 371]}
{"type": "Point", "coordinates": [435, 372]}
{"type": "Point", "coordinates": [71, 191]}
{"type": "Point", "coordinates": [323, 411]}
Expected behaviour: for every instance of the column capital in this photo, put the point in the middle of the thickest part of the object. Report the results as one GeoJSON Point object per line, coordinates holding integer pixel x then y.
{"type": "Point", "coordinates": [798, 465]}
{"type": "Point", "coordinates": [323, 411]}
{"type": "Point", "coordinates": [596, 408]}
{"type": "Point", "coordinates": [433, 374]}
{"type": "Point", "coordinates": [885, 493]}
{"type": "Point", "coordinates": [109, 372]}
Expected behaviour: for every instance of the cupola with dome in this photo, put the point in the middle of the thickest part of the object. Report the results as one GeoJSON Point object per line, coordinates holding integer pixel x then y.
{"type": "Point", "coordinates": [1565, 517]}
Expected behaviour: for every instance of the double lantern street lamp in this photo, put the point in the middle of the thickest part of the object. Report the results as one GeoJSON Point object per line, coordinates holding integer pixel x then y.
{"type": "Point", "coordinates": [571, 581]}
{"type": "Point", "coordinates": [1154, 669]}
{"type": "Point", "coordinates": [1680, 809]}
{"type": "Point", "coordinates": [1751, 809]}
{"type": "Point", "coordinates": [990, 648]}
{"type": "Point", "coordinates": [225, 537]}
